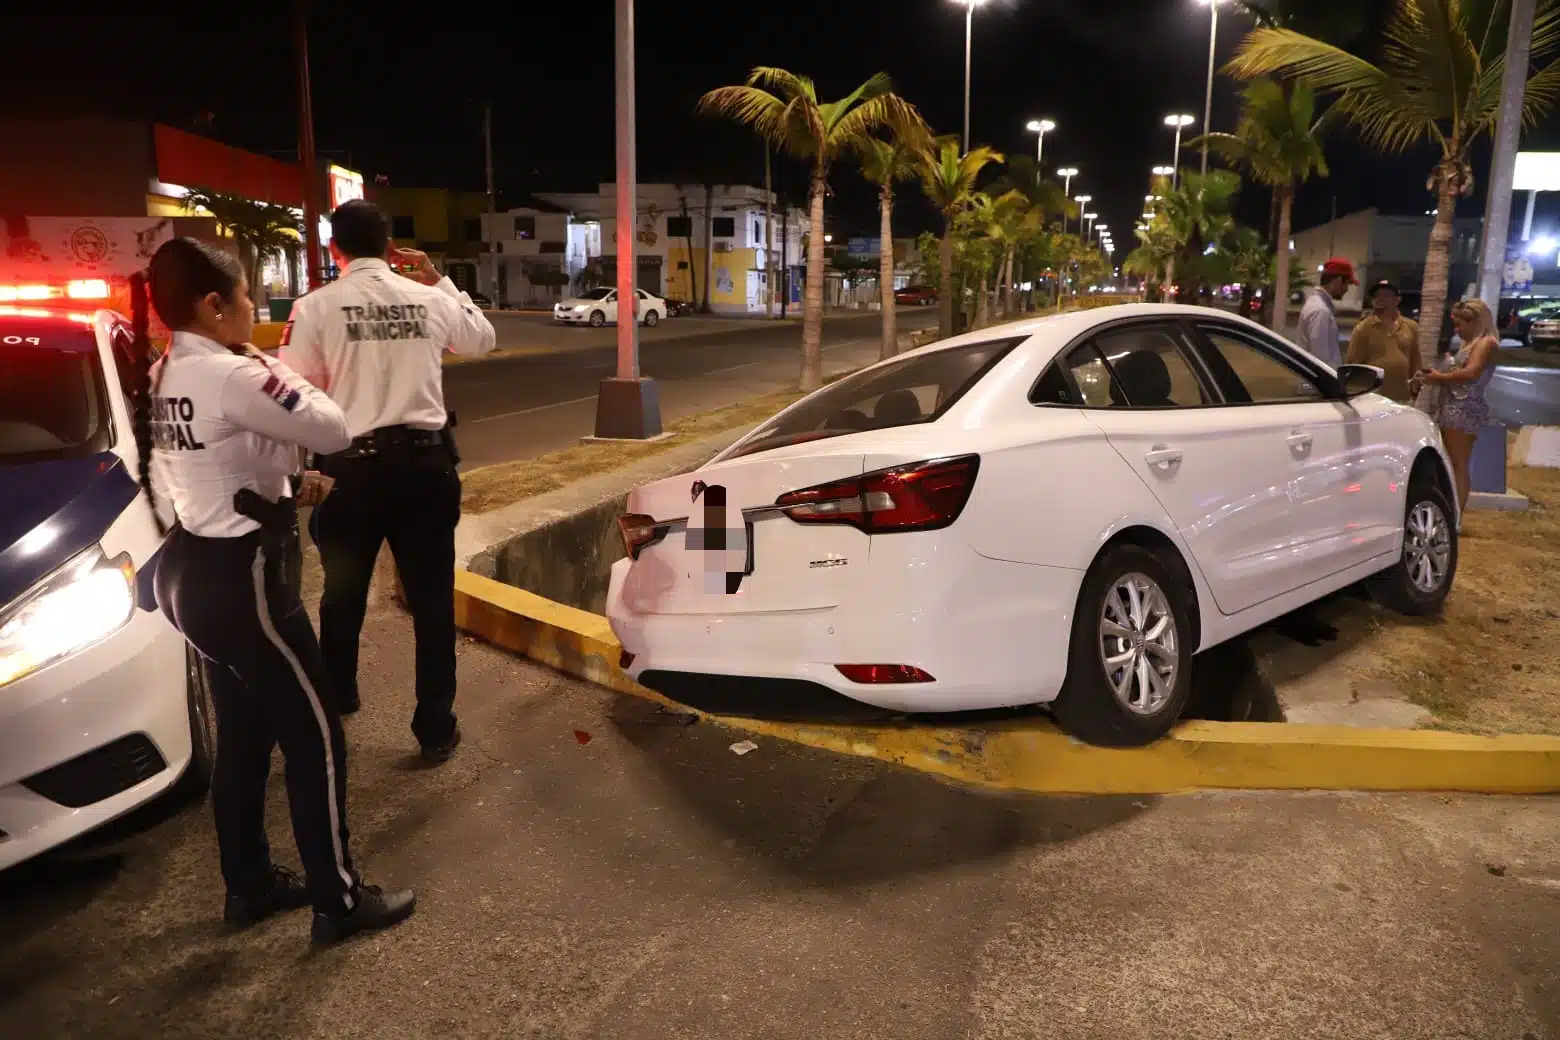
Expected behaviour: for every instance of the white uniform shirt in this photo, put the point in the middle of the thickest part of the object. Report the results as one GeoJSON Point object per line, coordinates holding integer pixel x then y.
{"type": "Point", "coordinates": [1319, 328]}
{"type": "Point", "coordinates": [223, 421]}
{"type": "Point", "coordinates": [374, 340]}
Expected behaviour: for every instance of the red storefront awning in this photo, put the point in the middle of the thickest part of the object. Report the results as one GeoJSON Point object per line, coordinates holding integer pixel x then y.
{"type": "Point", "coordinates": [192, 161]}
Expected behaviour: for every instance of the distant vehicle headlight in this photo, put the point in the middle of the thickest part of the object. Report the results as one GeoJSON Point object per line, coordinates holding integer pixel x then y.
{"type": "Point", "coordinates": [83, 602]}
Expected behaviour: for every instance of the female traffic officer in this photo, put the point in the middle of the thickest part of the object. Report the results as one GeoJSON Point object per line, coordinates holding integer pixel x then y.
{"type": "Point", "coordinates": [220, 426]}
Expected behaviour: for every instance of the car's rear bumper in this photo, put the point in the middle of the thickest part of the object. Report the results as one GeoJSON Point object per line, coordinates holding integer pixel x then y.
{"type": "Point", "coordinates": [992, 634]}
{"type": "Point", "coordinates": [92, 737]}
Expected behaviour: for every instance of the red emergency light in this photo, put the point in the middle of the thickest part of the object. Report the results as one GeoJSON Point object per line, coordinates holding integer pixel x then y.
{"type": "Point", "coordinates": [77, 289]}
{"type": "Point", "coordinates": [39, 312]}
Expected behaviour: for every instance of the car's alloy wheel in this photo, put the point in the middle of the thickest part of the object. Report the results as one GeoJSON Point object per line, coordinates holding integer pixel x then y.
{"type": "Point", "coordinates": [651, 317]}
{"type": "Point", "coordinates": [1138, 644]}
{"type": "Point", "coordinates": [203, 727]}
{"type": "Point", "coordinates": [597, 319]}
{"type": "Point", "coordinates": [1129, 659]}
{"type": "Point", "coordinates": [1419, 582]}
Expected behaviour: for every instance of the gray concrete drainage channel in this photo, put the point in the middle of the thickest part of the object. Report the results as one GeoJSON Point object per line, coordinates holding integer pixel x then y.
{"type": "Point", "coordinates": [562, 545]}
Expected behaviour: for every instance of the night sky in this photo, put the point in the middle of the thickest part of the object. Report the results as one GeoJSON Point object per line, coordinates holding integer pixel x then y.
{"type": "Point", "coordinates": [401, 95]}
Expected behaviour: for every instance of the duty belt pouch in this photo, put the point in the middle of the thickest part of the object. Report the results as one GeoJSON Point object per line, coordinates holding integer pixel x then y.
{"type": "Point", "coordinates": [278, 533]}
{"type": "Point", "coordinates": [449, 440]}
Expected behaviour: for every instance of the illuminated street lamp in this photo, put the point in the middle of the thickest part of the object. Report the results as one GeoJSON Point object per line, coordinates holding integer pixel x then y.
{"type": "Point", "coordinates": [1213, 40]}
{"type": "Point", "coordinates": [1178, 123]}
{"type": "Point", "coordinates": [1066, 173]}
{"type": "Point", "coordinates": [1041, 127]}
{"type": "Point", "coordinates": [969, 32]}
{"type": "Point", "coordinates": [1091, 218]}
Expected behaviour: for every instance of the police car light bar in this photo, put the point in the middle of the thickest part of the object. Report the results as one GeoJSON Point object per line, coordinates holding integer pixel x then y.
{"type": "Point", "coordinates": [39, 312]}
{"type": "Point", "coordinates": [79, 289]}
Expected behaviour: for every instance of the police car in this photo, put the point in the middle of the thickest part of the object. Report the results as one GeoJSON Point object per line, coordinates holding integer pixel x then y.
{"type": "Point", "coordinates": [102, 706]}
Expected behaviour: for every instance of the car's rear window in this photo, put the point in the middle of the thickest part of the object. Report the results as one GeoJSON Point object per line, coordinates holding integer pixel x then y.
{"type": "Point", "coordinates": [52, 399]}
{"type": "Point", "coordinates": [918, 388]}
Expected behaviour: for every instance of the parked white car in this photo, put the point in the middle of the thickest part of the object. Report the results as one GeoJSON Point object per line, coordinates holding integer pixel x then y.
{"type": "Point", "coordinates": [1059, 511]}
{"type": "Point", "coordinates": [598, 307]}
{"type": "Point", "coordinates": [102, 706]}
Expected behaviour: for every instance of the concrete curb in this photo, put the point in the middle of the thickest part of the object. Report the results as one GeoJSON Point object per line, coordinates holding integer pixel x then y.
{"type": "Point", "coordinates": [1033, 756]}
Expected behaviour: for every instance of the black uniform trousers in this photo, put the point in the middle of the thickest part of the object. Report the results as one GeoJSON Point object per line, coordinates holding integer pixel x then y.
{"type": "Point", "coordinates": [236, 600]}
{"type": "Point", "coordinates": [409, 496]}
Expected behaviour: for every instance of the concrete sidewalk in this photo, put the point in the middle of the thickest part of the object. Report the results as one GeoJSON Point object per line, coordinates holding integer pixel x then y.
{"type": "Point", "coordinates": [591, 867]}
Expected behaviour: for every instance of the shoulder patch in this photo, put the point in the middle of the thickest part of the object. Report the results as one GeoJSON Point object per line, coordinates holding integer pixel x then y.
{"type": "Point", "coordinates": [280, 392]}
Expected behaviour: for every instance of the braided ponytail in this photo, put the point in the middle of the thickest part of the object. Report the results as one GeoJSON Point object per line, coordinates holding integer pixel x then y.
{"type": "Point", "coordinates": [141, 390]}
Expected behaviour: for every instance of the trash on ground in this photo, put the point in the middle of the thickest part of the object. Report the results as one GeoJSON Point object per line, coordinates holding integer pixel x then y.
{"type": "Point", "coordinates": [742, 747]}
{"type": "Point", "coordinates": [581, 736]}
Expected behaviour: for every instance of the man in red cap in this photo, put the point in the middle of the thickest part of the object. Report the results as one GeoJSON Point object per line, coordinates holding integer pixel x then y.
{"type": "Point", "coordinates": [1319, 316]}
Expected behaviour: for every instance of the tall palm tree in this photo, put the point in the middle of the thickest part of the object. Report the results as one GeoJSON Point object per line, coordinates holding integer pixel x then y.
{"type": "Point", "coordinates": [783, 108]}
{"type": "Point", "coordinates": [1197, 213]}
{"type": "Point", "coordinates": [1046, 199]}
{"type": "Point", "coordinates": [1438, 82]}
{"type": "Point", "coordinates": [1278, 142]}
{"type": "Point", "coordinates": [1154, 258]}
{"type": "Point", "coordinates": [259, 229]}
{"type": "Point", "coordinates": [948, 178]}
{"type": "Point", "coordinates": [884, 163]}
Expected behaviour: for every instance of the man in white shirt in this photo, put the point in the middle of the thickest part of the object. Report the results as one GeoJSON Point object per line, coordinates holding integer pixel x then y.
{"type": "Point", "coordinates": [374, 341]}
{"type": "Point", "coordinates": [1319, 315]}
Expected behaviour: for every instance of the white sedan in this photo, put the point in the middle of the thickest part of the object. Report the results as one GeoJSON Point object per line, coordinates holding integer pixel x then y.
{"type": "Point", "coordinates": [1058, 511]}
{"type": "Point", "coordinates": [598, 307]}
{"type": "Point", "coordinates": [102, 706]}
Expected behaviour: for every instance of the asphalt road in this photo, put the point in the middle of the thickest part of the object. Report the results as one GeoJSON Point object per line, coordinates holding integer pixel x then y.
{"type": "Point", "coordinates": [587, 867]}
{"type": "Point", "coordinates": [515, 407]}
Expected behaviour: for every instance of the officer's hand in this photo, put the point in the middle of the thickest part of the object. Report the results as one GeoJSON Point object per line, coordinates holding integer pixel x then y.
{"type": "Point", "coordinates": [314, 488]}
{"type": "Point", "coordinates": [422, 268]}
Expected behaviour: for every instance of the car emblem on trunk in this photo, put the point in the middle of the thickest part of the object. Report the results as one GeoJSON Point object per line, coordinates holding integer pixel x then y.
{"type": "Point", "coordinates": [698, 489]}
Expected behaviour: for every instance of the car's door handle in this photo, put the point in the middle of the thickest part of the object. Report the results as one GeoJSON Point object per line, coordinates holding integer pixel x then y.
{"type": "Point", "coordinates": [1163, 457]}
{"type": "Point", "coordinates": [1299, 442]}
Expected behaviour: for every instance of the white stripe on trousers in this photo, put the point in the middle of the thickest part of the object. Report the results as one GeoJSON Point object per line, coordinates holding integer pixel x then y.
{"type": "Point", "coordinates": [319, 716]}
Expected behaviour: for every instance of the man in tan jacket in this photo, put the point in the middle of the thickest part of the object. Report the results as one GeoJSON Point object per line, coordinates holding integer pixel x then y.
{"type": "Point", "coordinates": [1387, 340]}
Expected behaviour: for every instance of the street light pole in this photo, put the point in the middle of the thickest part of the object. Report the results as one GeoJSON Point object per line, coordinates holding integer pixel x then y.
{"type": "Point", "coordinates": [1213, 41]}
{"type": "Point", "coordinates": [1041, 127]}
{"type": "Point", "coordinates": [628, 406]}
{"type": "Point", "coordinates": [1179, 122]}
{"type": "Point", "coordinates": [311, 206]}
{"type": "Point", "coordinates": [969, 35]}
{"type": "Point", "coordinates": [1067, 173]}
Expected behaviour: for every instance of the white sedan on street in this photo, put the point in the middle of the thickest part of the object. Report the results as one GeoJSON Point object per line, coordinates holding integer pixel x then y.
{"type": "Point", "coordinates": [598, 307]}
{"type": "Point", "coordinates": [1060, 511]}
{"type": "Point", "coordinates": [102, 705]}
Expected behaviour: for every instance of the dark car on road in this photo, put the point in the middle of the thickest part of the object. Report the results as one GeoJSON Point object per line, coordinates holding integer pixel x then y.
{"type": "Point", "coordinates": [915, 296]}
{"type": "Point", "coordinates": [678, 308]}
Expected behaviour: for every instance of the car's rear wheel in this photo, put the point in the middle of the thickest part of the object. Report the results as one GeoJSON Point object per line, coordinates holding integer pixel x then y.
{"type": "Point", "coordinates": [597, 319]}
{"type": "Point", "coordinates": [196, 780]}
{"type": "Point", "coordinates": [1418, 583]}
{"type": "Point", "coordinates": [1129, 668]}
{"type": "Point", "coordinates": [651, 317]}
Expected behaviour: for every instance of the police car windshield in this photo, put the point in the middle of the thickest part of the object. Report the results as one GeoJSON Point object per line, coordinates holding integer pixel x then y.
{"type": "Point", "coordinates": [52, 399]}
{"type": "Point", "coordinates": [595, 294]}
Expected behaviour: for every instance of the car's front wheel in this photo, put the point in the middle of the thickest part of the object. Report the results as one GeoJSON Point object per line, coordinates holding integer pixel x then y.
{"type": "Point", "coordinates": [597, 319]}
{"type": "Point", "coordinates": [196, 780]}
{"type": "Point", "coordinates": [1418, 583]}
{"type": "Point", "coordinates": [1129, 668]}
{"type": "Point", "coordinates": [651, 317]}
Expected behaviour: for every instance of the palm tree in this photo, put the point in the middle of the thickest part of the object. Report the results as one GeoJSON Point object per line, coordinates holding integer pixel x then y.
{"type": "Point", "coordinates": [1278, 141]}
{"type": "Point", "coordinates": [1198, 215]}
{"type": "Point", "coordinates": [948, 178]}
{"type": "Point", "coordinates": [1341, 24]}
{"type": "Point", "coordinates": [884, 163]}
{"type": "Point", "coordinates": [783, 108]}
{"type": "Point", "coordinates": [1154, 258]}
{"type": "Point", "coordinates": [1438, 82]}
{"type": "Point", "coordinates": [260, 230]}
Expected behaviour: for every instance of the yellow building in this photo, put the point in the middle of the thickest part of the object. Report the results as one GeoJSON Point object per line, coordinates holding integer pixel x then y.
{"type": "Point", "coordinates": [445, 224]}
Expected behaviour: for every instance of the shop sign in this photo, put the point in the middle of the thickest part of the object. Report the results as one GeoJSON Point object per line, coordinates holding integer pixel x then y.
{"type": "Point", "coordinates": [345, 185]}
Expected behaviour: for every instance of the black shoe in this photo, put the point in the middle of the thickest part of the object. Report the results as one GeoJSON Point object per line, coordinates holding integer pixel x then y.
{"type": "Point", "coordinates": [285, 892]}
{"type": "Point", "coordinates": [348, 706]}
{"type": "Point", "coordinates": [375, 909]}
{"type": "Point", "coordinates": [442, 751]}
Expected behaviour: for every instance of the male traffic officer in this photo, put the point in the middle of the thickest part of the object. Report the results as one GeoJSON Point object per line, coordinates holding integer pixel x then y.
{"type": "Point", "coordinates": [373, 340]}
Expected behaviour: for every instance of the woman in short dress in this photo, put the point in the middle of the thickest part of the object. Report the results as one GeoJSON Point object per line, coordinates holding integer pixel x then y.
{"type": "Point", "coordinates": [1464, 411]}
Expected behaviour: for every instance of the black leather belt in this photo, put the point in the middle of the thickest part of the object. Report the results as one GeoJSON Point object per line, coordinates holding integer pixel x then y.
{"type": "Point", "coordinates": [391, 438]}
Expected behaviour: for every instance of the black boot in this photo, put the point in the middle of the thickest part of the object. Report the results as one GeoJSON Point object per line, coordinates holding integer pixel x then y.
{"type": "Point", "coordinates": [375, 909]}
{"type": "Point", "coordinates": [441, 752]}
{"type": "Point", "coordinates": [284, 891]}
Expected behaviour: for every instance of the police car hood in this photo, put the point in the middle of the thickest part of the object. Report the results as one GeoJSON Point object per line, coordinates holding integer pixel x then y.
{"type": "Point", "coordinates": [50, 511]}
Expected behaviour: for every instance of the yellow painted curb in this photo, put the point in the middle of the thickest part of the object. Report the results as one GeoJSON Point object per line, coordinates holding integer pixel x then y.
{"type": "Point", "coordinates": [1032, 755]}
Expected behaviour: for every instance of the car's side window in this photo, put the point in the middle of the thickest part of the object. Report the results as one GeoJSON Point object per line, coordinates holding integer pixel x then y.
{"type": "Point", "coordinates": [123, 342]}
{"type": "Point", "coordinates": [1143, 366]}
{"type": "Point", "coordinates": [1254, 374]}
{"type": "Point", "coordinates": [1052, 388]}
{"type": "Point", "coordinates": [1092, 376]}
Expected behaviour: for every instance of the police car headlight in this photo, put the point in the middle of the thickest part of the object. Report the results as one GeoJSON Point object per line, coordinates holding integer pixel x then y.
{"type": "Point", "coordinates": [82, 603]}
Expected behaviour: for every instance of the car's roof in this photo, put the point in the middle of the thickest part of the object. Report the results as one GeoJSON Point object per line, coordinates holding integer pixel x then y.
{"type": "Point", "coordinates": [1071, 324]}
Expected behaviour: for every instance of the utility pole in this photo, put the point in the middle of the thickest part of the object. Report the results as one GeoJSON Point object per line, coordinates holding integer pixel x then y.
{"type": "Point", "coordinates": [493, 247]}
{"type": "Point", "coordinates": [311, 187]}
{"type": "Point", "coordinates": [1213, 45]}
{"type": "Point", "coordinates": [769, 239]}
{"type": "Point", "coordinates": [1487, 466]}
{"type": "Point", "coordinates": [628, 406]}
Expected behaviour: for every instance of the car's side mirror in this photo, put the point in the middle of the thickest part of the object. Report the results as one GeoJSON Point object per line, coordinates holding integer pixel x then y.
{"type": "Point", "coordinates": [1356, 380]}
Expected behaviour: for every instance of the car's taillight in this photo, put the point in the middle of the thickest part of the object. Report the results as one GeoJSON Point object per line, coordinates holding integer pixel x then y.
{"type": "Point", "coordinates": [638, 532]}
{"type": "Point", "coordinates": [883, 674]}
{"type": "Point", "coordinates": [923, 496]}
